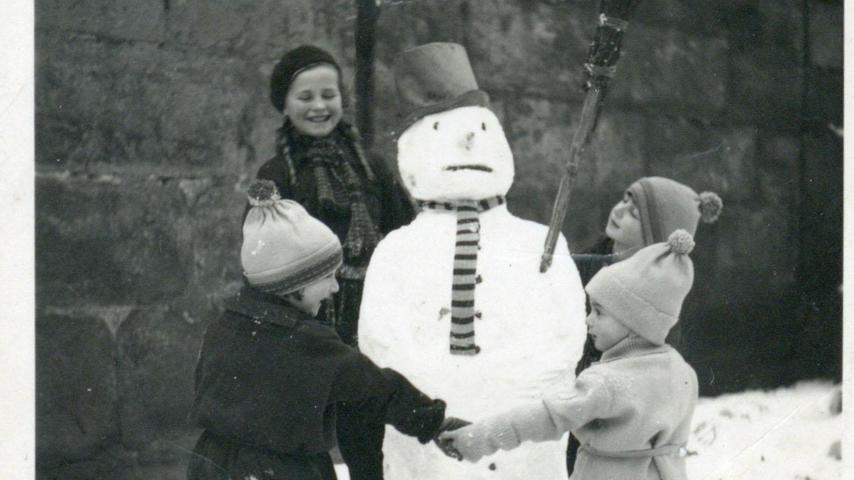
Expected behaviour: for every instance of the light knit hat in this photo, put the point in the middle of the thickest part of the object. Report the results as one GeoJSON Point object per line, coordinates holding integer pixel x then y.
{"type": "Point", "coordinates": [284, 248]}
{"type": "Point", "coordinates": [646, 291]}
{"type": "Point", "coordinates": [666, 205]}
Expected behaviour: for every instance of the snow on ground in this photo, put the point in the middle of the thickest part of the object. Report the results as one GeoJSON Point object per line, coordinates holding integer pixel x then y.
{"type": "Point", "coordinates": [775, 435]}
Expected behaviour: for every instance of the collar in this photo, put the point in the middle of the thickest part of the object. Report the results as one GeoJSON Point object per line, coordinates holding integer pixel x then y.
{"type": "Point", "coordinates": [265, 307]}
{"type": "Point", "coordinates": [632, 346]}
{"type": "Point", "coordinates": [479, 205]}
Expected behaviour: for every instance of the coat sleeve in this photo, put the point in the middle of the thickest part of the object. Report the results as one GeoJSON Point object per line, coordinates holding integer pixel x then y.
{"type": "Point", "coordinates": [387, 397]}
{"type": "Point", "coordinates": [361, 424]}
{"type": "Point", "coordinates": [547, 419]}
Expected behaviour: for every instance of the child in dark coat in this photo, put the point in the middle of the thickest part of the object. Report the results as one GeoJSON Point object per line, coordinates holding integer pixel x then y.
{"type": "Point", "coordinates": [270, 376]}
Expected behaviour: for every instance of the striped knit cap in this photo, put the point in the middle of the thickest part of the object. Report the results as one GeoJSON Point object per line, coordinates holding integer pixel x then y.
{"type": "Point", "coordinates": [665, 205]}
{"type": "Point", "coordinates": [463, 313]}
{"type": "Point", "coordinates": [284, 248]}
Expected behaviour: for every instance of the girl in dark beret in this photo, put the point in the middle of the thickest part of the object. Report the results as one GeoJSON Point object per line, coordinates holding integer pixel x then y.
{"type": "Point", "coordinates": [320, 164]}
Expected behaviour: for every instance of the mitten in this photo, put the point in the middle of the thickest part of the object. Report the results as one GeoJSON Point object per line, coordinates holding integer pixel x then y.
{"type": "Point", "coordinates": [449, 424]}
{"type": "Point", "coordinates": [472, 442]}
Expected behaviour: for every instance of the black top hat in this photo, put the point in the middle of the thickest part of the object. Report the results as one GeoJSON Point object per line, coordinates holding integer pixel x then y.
{"type": "Point", "coordinates": [434, 78]}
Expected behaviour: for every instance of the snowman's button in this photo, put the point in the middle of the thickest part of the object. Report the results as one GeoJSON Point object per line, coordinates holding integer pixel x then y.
{"type": "Point", "coordinates": [478, 279]}
{"type": "Point", "coordinates": [492, 466]}
{"type": "Point", "coordinates": [478, 314]}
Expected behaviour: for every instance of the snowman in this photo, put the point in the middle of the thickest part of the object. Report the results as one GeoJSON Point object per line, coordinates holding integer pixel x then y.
{"type": "Point", "coordinates": [455, 300]}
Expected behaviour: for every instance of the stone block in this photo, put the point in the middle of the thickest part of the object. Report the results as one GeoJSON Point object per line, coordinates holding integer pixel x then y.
{"type": "Point", "coordinates": [533, 48]}
{"type": "Point", "coordinates": [258, 30]}
{"type": "Point", "coordinates": [119, 19]}
{"type": "Point", "coordinates": [704, 157]}
{"type": "Point", "coordinates": [766, 45]}
{"type": "Point", "coordinates": [759, 247]}
{"type": "Point", "coordinates": [216, 223]}
{"type": "Point", "coordinates": [826, 34]}
{"type": "Point", "coordinates": [765, 88]}
{"type": "Point", "coordinates": [824, 107]}
{"type": "Point", "coordinates": [109, 241]}
{"type": "Point", "coordinates": [777, 165]}
{"type": "Point", "coordinates": [165, 109]}
{"type": "Point", "coordinates": [157, 352]}
{"type": "Point", "coordinates": [821, 207]}
{"type": "Point", "coordinates": [541, 133]}
{"type": "Point", "coordinates": [76, 394]}
{"type": "Point", "coordinates": [666, 66]}
{"type": "Point", "coordinates": [700, 16]}
{"type": "Point", "coordinates": [403, 25]}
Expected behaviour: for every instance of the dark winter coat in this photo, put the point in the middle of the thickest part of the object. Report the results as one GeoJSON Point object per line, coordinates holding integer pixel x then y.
{"type": "Point", "coordinates": [269, 380]}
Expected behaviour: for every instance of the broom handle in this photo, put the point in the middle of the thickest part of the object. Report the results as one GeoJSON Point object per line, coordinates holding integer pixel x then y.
{"type": "Point", "coordinates": [567, 181]}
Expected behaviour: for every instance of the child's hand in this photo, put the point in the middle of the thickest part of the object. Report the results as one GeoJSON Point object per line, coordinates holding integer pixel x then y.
{"type": "Point", "coordinates": [450, 423]}
{"type": "Point", "coordinates": [472, 442]}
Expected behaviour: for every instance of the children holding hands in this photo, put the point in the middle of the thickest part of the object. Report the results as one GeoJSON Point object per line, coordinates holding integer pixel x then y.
{"type": "Point", "coordinates": [631, 410]}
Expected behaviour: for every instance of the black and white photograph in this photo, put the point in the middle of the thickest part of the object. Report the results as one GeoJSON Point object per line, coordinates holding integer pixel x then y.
{"type": "Point", "coordinates": [424, 239]}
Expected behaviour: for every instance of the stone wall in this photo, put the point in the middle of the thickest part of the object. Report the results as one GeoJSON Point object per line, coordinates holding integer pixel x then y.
{"type": "Point", "coordinates": [152, 116]}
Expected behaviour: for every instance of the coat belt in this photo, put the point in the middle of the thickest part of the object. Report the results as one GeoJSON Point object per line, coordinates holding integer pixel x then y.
{"type": "Point", "coordinates": [661, 451]}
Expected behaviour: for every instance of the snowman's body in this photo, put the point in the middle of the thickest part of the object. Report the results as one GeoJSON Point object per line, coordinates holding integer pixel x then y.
{"type": "Point", "coordinates": [531, 326]}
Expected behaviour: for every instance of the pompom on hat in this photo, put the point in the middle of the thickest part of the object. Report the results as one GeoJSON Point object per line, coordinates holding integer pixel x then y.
{"type": "Point", "coordinates": [284, 248]}
{"type": "Point", "coordinates": [646, 291]}
{"type": "Point", "coordinates": [666, 205]}
{"type": "Point", "coordinates": [291, 65]}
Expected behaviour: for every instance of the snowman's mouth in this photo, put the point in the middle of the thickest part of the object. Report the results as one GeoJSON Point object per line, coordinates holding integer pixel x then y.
{"type": "Point", "coordinates": [481, 168]}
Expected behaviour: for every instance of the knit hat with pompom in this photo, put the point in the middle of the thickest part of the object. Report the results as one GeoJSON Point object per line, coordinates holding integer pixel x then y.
{"type": "Point", "coordinates": [646, 291]}
{"type": "Point", "coordinates": [666, 205]}
{"type": "Point", "coordinates": [284, 248]}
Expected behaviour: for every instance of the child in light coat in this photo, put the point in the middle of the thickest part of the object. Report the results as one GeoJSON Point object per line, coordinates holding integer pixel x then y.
{"type": "Point", "coordinates": [631, 410]}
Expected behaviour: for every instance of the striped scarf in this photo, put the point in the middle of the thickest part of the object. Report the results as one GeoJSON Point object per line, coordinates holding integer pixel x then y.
{"type": "Point", "coordinates": [463, 313]}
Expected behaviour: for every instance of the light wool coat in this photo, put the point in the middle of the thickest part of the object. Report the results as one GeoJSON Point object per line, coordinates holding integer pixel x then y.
{"type": "Point", "coordinates": [638, 397]}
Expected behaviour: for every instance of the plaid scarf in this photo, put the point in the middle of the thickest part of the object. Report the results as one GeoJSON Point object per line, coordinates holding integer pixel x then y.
{"type": "Point", "coordinates": [339, 189]}
{"type": "Point", "coordinates": [463, 313]}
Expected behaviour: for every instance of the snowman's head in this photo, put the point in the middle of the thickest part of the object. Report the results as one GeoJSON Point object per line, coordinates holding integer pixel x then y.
{"type": "Point", "coordinates": [458, 154]}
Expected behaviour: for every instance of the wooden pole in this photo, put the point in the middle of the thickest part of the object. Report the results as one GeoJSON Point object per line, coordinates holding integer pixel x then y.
{"type": "Point", "coordinates": [614, 16]}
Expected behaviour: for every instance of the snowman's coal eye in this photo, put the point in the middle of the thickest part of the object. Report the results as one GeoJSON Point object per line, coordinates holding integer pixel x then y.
{"type": "Point", "coordinates": [483, 126]}
{"type": "Point", "coordinates": [436, 126]}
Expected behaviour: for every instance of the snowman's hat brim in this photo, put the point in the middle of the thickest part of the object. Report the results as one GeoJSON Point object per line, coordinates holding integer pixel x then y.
{"type": "Point", "coordinates": [434, 78]}
{"type": "Point", "coordinates": [473, 98]}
